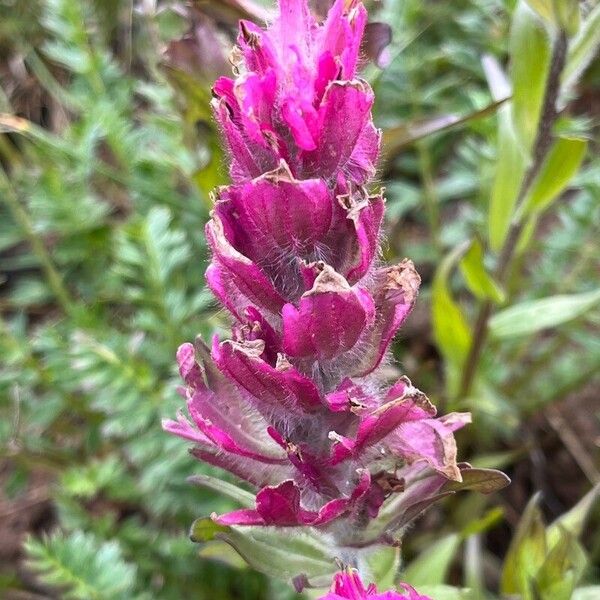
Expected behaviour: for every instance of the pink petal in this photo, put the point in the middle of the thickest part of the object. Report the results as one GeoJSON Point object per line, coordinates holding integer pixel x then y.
{"type": "Point", "coordinates": [257, 48]}
{"type": "Point", "coordinates": [302, 120]}
{"type": "Point", "coordinates": [347, 585]}
{"type": "Point", "coordinates": [189, 369]}
{"type": "Point", "coordinates": [280, 506]}
{"type": "Point", "coordinates": [234, 269]}
{"type": "Point", "coordinates": [344, 113]}
{"type": "Point", "coordinates": [244, 162]}
{"type": "Point", "coordinates": [362, 164]}
{"type": "Point", "coordinates": [275, 215]}
{"type": "Point", "coordinates": [395, 291]}
{"type": "Point", "coordinates": [364, 214]}
{"type": "Point", "coordinates": [257, 473]}
{"type": "Point", "coordinates": [329, 320]}
{"type": "Point", "coordinates": [342, 34]}
{"type": "Point", "coordinates": [256, 97]}
{"type": "Point", "coordinates": [184, 429]}
{"type": "Point", "coordinates": [411, 406]}
{"type": "Point", "coordinates": [278, 389]}
{"type": "Point", "coordinates": [350, 397]}
{"type": "Point", "coordinates": [430, 440]}
{"type": "Point", "coordinates": [256, 327]}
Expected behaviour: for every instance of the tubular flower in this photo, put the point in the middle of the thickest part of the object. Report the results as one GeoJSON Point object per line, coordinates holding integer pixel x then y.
{"type": "Point", "coordinates": [295, 403]}
{"type": "Point", "coordinates": [348, 586]}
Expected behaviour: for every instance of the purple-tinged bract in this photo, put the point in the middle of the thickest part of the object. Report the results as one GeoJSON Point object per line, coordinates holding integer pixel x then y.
{"type": "Point", "coordinates": [295, 403]}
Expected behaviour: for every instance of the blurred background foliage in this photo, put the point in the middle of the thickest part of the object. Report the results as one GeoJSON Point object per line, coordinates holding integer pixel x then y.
{"type": "Point", "coordinates": [108, 155]}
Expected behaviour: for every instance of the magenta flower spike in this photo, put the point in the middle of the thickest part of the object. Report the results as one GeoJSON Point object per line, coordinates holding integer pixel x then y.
{"type": "Point", "coordinates": [347, 585]}
{"type": "Point", "coordinates": [296, 403]}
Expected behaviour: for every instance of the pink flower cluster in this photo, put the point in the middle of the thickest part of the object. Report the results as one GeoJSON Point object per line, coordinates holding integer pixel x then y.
{"type": "Point", "coordinates": [296, 403]}
{"type": "Point", "coordinates": [348, 586]}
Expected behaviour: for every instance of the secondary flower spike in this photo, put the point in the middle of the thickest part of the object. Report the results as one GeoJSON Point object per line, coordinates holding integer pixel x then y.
{"type": "Point", "coordinates": [296, 403]}
{"type": "Point", "coordinates": [347, 585]}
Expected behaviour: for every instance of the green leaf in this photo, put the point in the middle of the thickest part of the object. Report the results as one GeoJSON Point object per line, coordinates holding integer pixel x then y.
{"type": "Point", "coordinates": [544, 8]}
{"type": "Point", "coordinates": [227, 489]}
{"type": "Point", "coordinates": [81, 566]}
{"type": "Point", "coordinates": [445, 592]}
{"type": "Point", "coordinates": [582, 50]}
{"type": "Point", "coordinates": [283, 554]}
{"type": "Point", "coordinates": [221, 551]}
{"type": "Point", "coordinates": [450, 327]}
{"type": "Point", "coordinates": [562, 569]}
{"type": "Point", "coordinates": [490, 519]}
{"type": "Point", "coordinates": [567, 15]}
{"type": "Point", "coordinates": [573, 521]}
{"type": "Point", "coordinates": [561, 13]}
{"type": "Point", "coordinates": [510, 162]}
{"type": "Point", "coordinates": [510, 169]}
{"type": "Point", "coordinates": [477, 278]}
{"type": "Point", "coordinates": [432, 565]}
{"type": "Point", "coordinates": [530, 51]}
{"type": "Point", "coordinates": [529, 228]}
{"type": "Point", "coordinates": [205, 530]}
{"type": "Point", "coordinates": [397, 138]}
{"type": "Point", "coordinates": [536, 315]}
{"type": "Point", "coordinates": [384, 563]}
{"type": "Point", "coordinates": [559, 167]}
{"type": "Point", "coordinates": [526, 553]}
{"type": "Point", "coordinates": [485, 481]}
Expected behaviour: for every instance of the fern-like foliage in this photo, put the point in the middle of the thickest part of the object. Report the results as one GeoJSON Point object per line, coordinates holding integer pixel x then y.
{"type": "Point", "coordinates": [81, 567]}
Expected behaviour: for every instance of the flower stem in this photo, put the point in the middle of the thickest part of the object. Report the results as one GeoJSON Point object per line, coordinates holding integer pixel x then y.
{"type": "Point", "coordinates": [541, 147]}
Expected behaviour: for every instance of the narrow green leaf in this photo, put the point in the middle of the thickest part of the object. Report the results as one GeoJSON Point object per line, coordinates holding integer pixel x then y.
{"type": "Point", "coordinates": [490, 519]}
{"type": "Point", "coordinates": [485, 481]}
{"type": "Point", "coordinates": [384, 563]}
{"type": "Point", "coordinates": [510, 169]}
{"type": "Point", "coordinates": [526, 553]}
{"type": "Point", "coordinates": [432, 565]}
{"type": "Point", "coordinates": [477, 278]}
{"type": "Point", "coordinates": [563, 567]}
{"type": "Point", "coordinates": [450, 327]}
{"type": "Point", "coordinates": [406, 134]}
{"type": "Point", "coordinates": [473, 570]}
{"type": "Point", "coordinates": [567, 15]}
{"type": "Point", "coordinates": [535, 315]}
{"type": "Point", "coordinates": [561, 13]}
{"type": "Point", "coordinates": [543, 8]}
{"type": "Point", "coordinates": [573, 521]}
{"type": "Point", "coordinates": [561, 164]}
{"type": "Point", "coordinates": [229, 490]}
{"type": "Point", "coordinates": [582, 50]}
{"type": "Point", "coordinates": [527, 232]}
{"type": "Point", "coordinates": [510, 163]}
{"type": "Point", "coordinates": [530, 51]}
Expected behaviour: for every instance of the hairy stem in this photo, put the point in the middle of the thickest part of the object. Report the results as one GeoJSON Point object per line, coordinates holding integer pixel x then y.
{"type": "Point", "coordinates": [541, 146]}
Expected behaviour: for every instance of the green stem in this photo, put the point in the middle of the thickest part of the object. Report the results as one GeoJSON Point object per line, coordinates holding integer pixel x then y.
{"type": "Point", "coordinates": [541, 147]}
